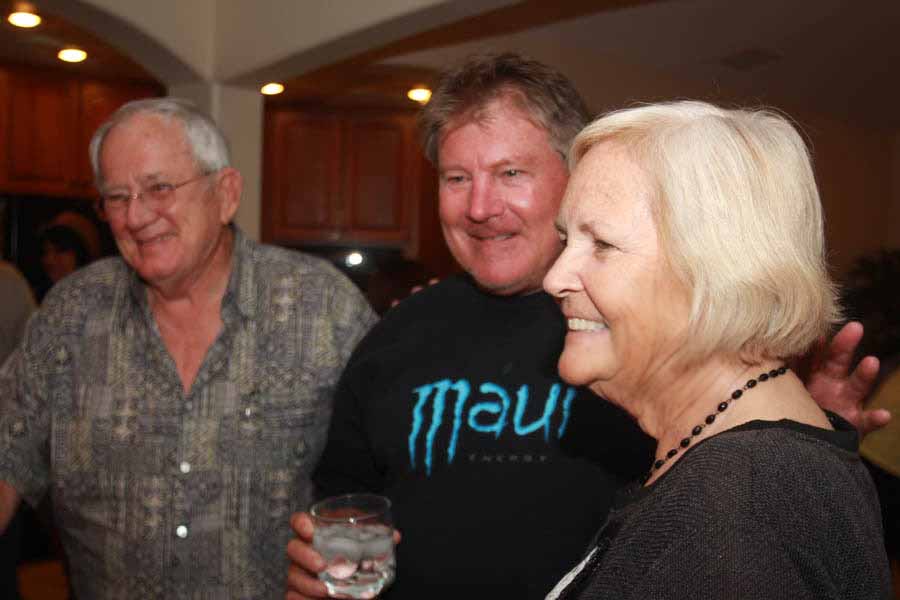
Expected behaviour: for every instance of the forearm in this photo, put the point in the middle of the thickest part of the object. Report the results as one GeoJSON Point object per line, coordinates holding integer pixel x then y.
{"type": "Point", "coordinates": [9, 502]}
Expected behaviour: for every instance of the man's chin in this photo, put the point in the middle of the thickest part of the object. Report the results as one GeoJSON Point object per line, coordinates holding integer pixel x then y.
{"type": "Point", "coordinates": [504, 286]}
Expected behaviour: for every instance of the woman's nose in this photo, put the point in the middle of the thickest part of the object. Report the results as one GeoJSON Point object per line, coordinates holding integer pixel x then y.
{"type": "Point", "coordinates": [561, 279]}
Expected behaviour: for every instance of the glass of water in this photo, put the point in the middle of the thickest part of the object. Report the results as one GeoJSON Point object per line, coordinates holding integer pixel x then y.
{"type": "Point", "coordinates": [354, 534]}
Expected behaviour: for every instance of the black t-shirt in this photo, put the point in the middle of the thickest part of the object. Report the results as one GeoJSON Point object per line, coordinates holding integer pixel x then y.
{"type": "Point", "coordinates": [499, 472]}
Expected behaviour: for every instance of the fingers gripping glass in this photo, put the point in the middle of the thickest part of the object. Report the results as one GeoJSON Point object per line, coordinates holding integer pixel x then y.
{"type": "Point", "coordinates": [354, 535]}
{"type": "Point", "coordinates": [157, 195]}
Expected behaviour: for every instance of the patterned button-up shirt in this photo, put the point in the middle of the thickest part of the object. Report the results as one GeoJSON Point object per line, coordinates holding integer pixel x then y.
{"type": "Point", "coordinates": [158, 493]}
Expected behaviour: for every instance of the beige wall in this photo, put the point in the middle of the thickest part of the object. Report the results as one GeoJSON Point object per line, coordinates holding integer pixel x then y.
{"type": "Point", "coordinates": [186, 28]}
{"type": "Point", "coordinates": [227, 40]}
{"type": "Point", "coordinates": [858, 169]}
{"type": "Point", "coordinates": [240, 113]}
{"type": "Point", "coordinates": [854, 170]}
{"type": "Point", "coordinates": [298, 35]}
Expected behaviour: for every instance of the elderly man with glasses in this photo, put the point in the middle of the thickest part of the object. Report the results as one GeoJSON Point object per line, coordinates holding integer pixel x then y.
{"type": "Point", "coordinates": [173, 401]}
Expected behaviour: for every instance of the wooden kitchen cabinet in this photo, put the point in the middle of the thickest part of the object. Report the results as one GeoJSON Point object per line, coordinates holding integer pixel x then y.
{"type": "Point", "coordinates": [46, 121]}
{"type": "Point", "coordinates": [98, 100]}
{"type": "Point", "coordinates": [342, 176]}
{"type": "Point", "coordinates": [41, 135]}
{"type": "Point", "coordinates": [302, 176]}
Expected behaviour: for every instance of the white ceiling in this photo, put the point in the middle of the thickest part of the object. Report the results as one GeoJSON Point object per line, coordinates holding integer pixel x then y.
{"type": "Point", "coordinates": [836, 57]}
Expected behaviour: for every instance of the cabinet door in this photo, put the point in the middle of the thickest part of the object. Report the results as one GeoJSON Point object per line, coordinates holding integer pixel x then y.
{"type": "Point", "coordinates": [42, 132]}
{"type": "Point", "coordinates": [302, 180]}
{"type": "Point", "coordinates": [380, 178]}
{"type": "Point", "coordinates": [99, 100]}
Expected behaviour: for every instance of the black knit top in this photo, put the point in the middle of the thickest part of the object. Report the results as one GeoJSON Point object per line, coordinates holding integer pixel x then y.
{"type": "Point", "coordinates": [766, 510]}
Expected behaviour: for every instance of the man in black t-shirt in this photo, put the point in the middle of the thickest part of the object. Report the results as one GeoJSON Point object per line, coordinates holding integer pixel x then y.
{"type": "Point", "coordinates": [499, 473]}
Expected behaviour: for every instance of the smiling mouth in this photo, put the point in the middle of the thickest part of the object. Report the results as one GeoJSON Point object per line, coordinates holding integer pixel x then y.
{"type": "Point", "coordinates": [159, 238]}
{"type": "Point", "coordinates": [493, 238]}
{"type": "Point", "coordinates": [585, 325]}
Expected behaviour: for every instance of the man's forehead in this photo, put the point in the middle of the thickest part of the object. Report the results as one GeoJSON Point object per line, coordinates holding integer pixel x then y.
{"type": "Point", "coordinates": [145, 122]}
{"type": "Point", "coordinates": [497, 113]}
{"type": "Point", "coordinates": [147, 126]}
{"type": "Point", "coordinates": [143, 136]}
{"type": "Point", "coordinates": [132, 133]}
{"type": "Point", "coordinates": [499, 118]}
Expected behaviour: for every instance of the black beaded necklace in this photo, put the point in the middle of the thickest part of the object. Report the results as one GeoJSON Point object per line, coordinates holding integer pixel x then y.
{"type": "Point", "coordinates": [710, 419]}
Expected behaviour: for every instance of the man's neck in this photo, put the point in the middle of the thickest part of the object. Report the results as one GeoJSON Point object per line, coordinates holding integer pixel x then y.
{"type": "Point", "coordinates": [201, 290]}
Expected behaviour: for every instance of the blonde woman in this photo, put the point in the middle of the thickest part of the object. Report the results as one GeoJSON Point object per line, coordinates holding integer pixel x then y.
{"type": "Point", "coordinates": [693, 271]}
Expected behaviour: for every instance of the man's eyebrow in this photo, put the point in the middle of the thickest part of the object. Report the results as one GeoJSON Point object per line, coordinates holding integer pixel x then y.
{"type": "Point", "coordinates": [516, 159]}
{"type": "Point", "coordinates": [154, 176]}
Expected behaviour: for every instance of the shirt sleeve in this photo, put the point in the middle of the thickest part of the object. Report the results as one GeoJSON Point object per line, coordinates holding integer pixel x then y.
{"type": "Point", "coordinates": [354, 318]}
{"type": "Point", "coordinates": [25, 419]}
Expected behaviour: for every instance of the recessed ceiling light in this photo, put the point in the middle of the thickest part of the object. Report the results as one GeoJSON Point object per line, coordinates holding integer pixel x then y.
{"type": "Point", "coordinates": [271, 89]}
{"type": "Point", "coordinates": [24, 19]}
{"type": "Point", "coordinates": [72, 55]}
{"type": "Point", "coordinates": [420, 94]}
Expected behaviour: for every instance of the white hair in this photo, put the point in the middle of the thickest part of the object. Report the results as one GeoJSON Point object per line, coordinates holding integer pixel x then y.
{"type": "Point", "coordinates": [739, 216]}
{"type": "Point", "coordinates": [207, 143]}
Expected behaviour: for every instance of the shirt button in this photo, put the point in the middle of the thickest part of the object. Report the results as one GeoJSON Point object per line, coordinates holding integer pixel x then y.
{"type": "Point", "coordinates": [181, 531]}
{"type": "Point", "coordinates": [185, 467]}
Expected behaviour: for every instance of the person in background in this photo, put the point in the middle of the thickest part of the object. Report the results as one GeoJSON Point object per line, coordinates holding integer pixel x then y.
{"type": "Point", "coordinates": [15, 309]}
{"type": "Point", "coordinates": [452, 406]}
{"type": "Point", "coordinates": [68, 242]}
{"type": "Point", "coordinates": [17, 306]}
{"type": "Point", "coordinates": [693, 272]}
{"type": "Point", "coordinates": [62, 252]}
{"type": "Point", "coordinates": [174, 400]}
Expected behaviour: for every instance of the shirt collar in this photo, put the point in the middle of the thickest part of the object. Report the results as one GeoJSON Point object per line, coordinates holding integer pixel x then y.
{"type": "Point", "coordinates": [241, 289]}
{"type": "Point", "coordinates": [240, 293]}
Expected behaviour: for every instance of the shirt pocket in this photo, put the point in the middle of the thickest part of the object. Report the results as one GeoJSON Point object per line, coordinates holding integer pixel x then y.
{"type": "Point", "coordinates": [278, 430]}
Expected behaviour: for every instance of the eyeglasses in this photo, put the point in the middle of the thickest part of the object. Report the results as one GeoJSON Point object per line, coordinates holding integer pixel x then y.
{"type": "Point", "coordinates": [157, 196]}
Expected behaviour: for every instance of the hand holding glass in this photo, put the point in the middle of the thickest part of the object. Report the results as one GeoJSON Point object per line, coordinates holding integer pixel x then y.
{"type": "Point", "coordinates": [354, 535]}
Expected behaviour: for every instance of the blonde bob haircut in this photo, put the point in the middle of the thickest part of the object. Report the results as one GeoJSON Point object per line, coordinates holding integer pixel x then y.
{"type": "Point", "coordinates": [738, 214]}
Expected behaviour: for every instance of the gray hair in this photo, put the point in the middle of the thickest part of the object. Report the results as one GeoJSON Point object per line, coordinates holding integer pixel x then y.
{"type": "Point", "coordinates": [207, 143]}
{"type": "Point", "coordinates": [544, 93]}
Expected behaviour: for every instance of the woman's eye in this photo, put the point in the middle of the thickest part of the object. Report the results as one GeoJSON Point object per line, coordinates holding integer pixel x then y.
{"type": "Point", "coordinates": [511, 173]}
{"type": "Point", "coordinates": [601, 246]}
